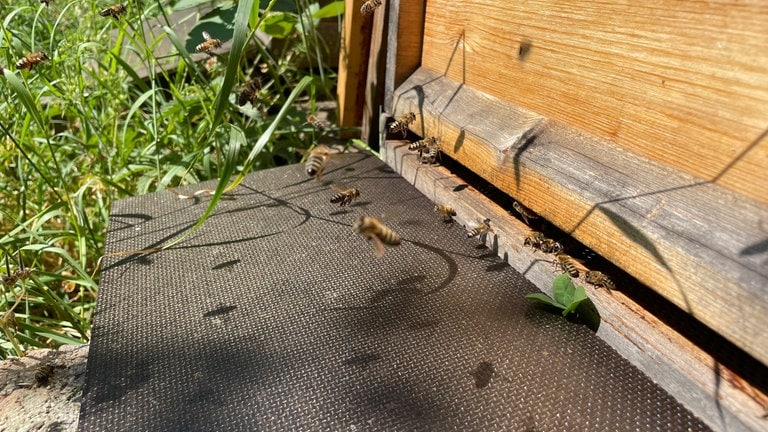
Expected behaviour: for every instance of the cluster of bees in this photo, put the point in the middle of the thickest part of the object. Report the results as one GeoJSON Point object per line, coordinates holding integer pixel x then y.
{"type": "Point", "coordinates": [428, 149]}
{"type": "Point", "coordinates": [537, 241]}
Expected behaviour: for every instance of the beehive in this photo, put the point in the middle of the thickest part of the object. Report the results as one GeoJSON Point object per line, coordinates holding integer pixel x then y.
{"type": "Point", "coordinates": [640, 130]}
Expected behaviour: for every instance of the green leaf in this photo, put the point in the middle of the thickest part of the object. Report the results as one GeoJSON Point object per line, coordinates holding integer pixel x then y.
{"type": "Point", "coordinates": [279, 24]}
{"type": "Point", "coordinates": [579, 295]}
{"type": "Point", "coordinates": [330, 10]}
{"type": "Point", "coordinates": [25, 97]}
{"type": "Point", "coordinates": [562, 289]}
{"type": "Point", "coordinates": [543, 298]}
{"type": "Point", "coordinates": [239, 39]}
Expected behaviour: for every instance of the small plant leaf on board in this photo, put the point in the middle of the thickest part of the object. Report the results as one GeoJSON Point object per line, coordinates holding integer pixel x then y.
{"type": "Point", "coordinates": [570, 299]}
{"type": "Point", "coordinates": [543, 298]}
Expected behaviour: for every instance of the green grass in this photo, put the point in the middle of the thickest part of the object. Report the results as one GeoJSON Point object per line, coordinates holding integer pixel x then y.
{"type": "Point", "coordinates": [82, 130]}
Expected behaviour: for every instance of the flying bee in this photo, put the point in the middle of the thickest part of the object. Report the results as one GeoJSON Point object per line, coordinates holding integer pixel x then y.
{"type": "Point", "coordinates": [31, 60]}
{"type": "Point", "coordinates": [482, 228]}
{"type": "Point", "coordinates": [401, 124]}
{"type": "Point", "coordinates": [597, 278]}
{"type": "Point", "coordinates": [550, 246]}
{"type": "Point", "coordinates": [372, 229]}
{"type": "Point", "coordinates": [524, 211]}
{"type": "Point", "coordinates": [534, 240]}
{"type": "Point", "coordinates": [564, 262]}
{"type": "Point", "coordinates": [316, 122]}
{"type": "Point", "coordinates": [317, 160]}
{"type": "Point", "coordinates": [114, 11]}
{"type": "Point", "coordinates": [208, 45]}
{"type": "Point", "coordinates": [43, 373]}
{"type": "Point", "coordinates": [345, 196]}
{"type": "Point", "coordinates": [249, 91]}
{"type": "Point", "coordinates": [369, 6]}
{"type": "Point", "coordinates": [447, 212]}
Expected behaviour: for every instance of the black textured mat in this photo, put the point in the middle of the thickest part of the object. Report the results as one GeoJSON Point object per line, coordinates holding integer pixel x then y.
{"type": "Point", "coordinates": [277, 316]}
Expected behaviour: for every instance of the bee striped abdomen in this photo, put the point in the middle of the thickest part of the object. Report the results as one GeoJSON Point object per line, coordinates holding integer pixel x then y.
{"type": "Point", "coordinates": [345, 197]}
{"type": "Point", "coordinates": [31, 60]}
{"type": "Point", "coordinates": [565, 263]}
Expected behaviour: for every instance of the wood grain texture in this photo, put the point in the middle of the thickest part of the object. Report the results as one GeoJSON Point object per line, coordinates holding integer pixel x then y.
{"type": "Point", "coordinates": [699, 245]}
{"type": "Point", "coordinates": [689, 374]}
{"type": "Point", "coordinates": [374, 85]}
{"type": "Point", "coordinates": [353, 64]}
{"type": "Point", "coordinates": [404, 41]}
{"type": "Point", "coordinates": [684, 83]}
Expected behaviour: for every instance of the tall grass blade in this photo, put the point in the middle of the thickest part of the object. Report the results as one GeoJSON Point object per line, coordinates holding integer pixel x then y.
{"type": "Point", "coordinates": [26, 98]}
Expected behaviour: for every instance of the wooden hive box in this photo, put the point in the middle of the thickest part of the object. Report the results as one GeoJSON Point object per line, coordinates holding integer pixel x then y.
{"type": "Point", "coordinates": [640, 130]}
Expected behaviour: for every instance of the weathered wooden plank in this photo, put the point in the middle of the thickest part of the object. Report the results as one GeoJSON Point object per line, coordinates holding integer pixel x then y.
{"type": "Point", "coordinates": [404, 42]}
{"type": "Point", "coordinates": [679, 82]}
{"type": "Point", "coordinates": [699, 245]}
{"type": "Point", "coordinates": [691, 375]}
{"type": "Point", "coordinates": [353, 62]}
{"type": "Point", "coordinates": [374, 87]}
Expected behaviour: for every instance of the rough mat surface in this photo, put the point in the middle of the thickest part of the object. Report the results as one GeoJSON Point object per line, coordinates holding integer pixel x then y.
{"type": "Point", "coordinates": [277, 316]}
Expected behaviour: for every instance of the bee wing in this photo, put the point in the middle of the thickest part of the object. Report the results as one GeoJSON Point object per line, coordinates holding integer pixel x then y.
{"type": "Point", "coordinates": [206, 35]}
{"type": "Point", "coordinates": [378, 245]}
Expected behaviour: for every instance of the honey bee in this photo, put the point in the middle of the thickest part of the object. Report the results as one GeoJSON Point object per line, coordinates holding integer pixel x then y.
{"type": "Point", "coordinates": [114, 11]}
{"type": "Point", "coordinates": [316, 122]}
{"type": "Point", "coordinates": [447, 212]}
{"type": "Point", "coordinates": [31, 60]}
{"type": "Point", "coordinates": [249, 92]}
{"type": "Point", "coordinates": [345, 196]}
{"type": "Point", "coordinates": [369, 6]}
{"type": "Point", "coordinates": [317, 160]}
{"type": "Point", "coordinates": [534, 240]}
{"type": "Point", "coordinates": [401, 124]}
{"type": "Point", "coordinates": [524, 211]}
{"type": "Point", "coordinates": [564, 262]}
{"type": "Point", "coordinates": [208, 45]}
{"type": "Point", "coordinates": [597, 278]}
{"type": "Point", "coordinates": [43, 373]}
{"type": "Point", "coordinates": [483, 228]}
{"type": "Point", "coordinates": [372, 229]}
{"type": "Point", "coordinates": [422, 145]}
{"type": "Point", "coordinates": [430, 156]}
{"type": "Point", "coordinates": [550, 246]}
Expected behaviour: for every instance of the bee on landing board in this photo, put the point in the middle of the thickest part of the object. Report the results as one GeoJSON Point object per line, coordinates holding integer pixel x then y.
{"type": "Point", "coordinates": [31, 60]}
{"type": "Point", "coordinates": [524, 211]}
{"type": "Point", "coordinates": [422, 145]}
{"type": "Point", "coordinates": [599, 279]}
{"type": "Point", "coordinates": [114, 11]}
{"type": "Point", "coordinates": [447, 212]}
{"type": "Point", "coordinates": [345, 196]}
{"type": "Point", "coordinates": [401, 124]}
{"type": "Point", "coordinates": [369, 6]}
{"type": "Point", "coordinates": [534, 240]}
{"type": "Point", "coordinates": [482, 228]}
{"type": "Point", "coordinates": [317, 160]}
{"type": "Point", "coordinates": [550, 246]}
{"type": "Point", "coordinates": [372, 229]}
{"type": "Point", "coordinates": [208, 45]}
{"type": "Point", "coordinates": [249, 92]}
{"type": "Point", "coordinates": [566, 264]}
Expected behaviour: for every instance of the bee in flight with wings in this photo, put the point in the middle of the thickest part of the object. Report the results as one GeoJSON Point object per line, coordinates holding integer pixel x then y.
{"type": "Point", "coordinates": [209, 44]}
